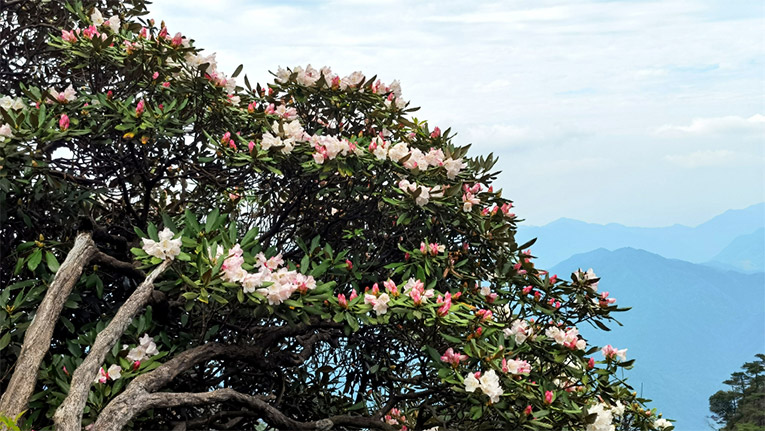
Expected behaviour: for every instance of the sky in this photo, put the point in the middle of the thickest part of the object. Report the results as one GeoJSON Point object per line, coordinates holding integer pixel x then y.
{"type": "Point", "coordinates": [645, 113]}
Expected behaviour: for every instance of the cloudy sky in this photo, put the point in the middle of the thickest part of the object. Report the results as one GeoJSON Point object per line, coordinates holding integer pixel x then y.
{"type": "Point", "coordinates": [645, 113]}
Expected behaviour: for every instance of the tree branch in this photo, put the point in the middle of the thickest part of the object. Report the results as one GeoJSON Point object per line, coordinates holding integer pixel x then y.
{"type": "Point", "coordinates": [37, 339]}
{"type": "Point", "coordinates": [270, 414]}
{"type": "Point", "coordinates": [68, 416]}
{"type": "Point", "coordinates": [124, 268]}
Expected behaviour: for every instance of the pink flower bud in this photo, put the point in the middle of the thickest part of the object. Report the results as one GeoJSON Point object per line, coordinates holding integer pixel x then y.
{"type": "Point", "coordinates": [155, 75]}
{"type": "Point", "coordinates": [139, 108]}
{"type": "Point", "coordinates": [591, 363]}
{"type": "Point", "coordinates": [353, 295]}
{"type": "Point", "coordinates": [163, 33]}
{"type": "Point", "coordinates": [250, 145]}
{"type": "Point", "coordinates": [548, 397]}
{"type": "Point", "coordinates": [177, 40]}
{"type": "Point", "coordinates": [348, 264]}
{"type": "Point", "coordinates": [63, 367]}
{"type": "Point", "coordinates": [63, 122]}
{"type": "Point", "coordinates": [342, 301]}
{"type": "Point", "coordinates": [527, 410]}
{"type": "Point", "coordinates": [136, 365]}
{"type": "Point", "coordinates": [436, 133]}
{"type": "Point", "coordinates": [143, 33]}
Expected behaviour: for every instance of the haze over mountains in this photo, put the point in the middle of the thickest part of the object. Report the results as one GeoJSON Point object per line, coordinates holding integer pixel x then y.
{"type": "Point", "coordinates": [566, 237]}
{"type": "Point", "coordinates": [697, 296]}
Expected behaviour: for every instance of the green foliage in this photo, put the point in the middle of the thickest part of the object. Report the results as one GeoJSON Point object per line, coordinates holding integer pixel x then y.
{"type": "Point", "coordinates": [742, 408]}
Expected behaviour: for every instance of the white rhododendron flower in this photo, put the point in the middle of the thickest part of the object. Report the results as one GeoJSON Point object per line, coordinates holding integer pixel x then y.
{"type": "Point", "coordinates": [519, 329]}
{"type": "Point", "coordinates": [603, 420]}
{"type": "Point", "coordinates": [661, 423]}
{"type": "Point", "coordinates": [114, 23]}
{"type": "Point", "coordinates": [165, 248]}
{"type": "Point", "coordinates": [145, 349]}
{"type": "Point", "coordinates": [398, 151]}
{"type": "Point", "coordinates": [6, 131]}
{"type": "Point", "coordinates": [569, 338]}
{"type": "Point", "coordinates": [114, 371]}
{"type": "Point", "coordinates": [453, 167]}
{"type": "Point", "coordinates": [589, 275]}
{"type": "Point", "coordinates": [65, 96]}
{"type": "Point", "coordinates": [488, 383]}
{"type": "Point", "coordinates": [379, 303]}
{"type": "Point", "coordinates": [96, 18]}
{"type": "Point", "coordinates": [471, 383]}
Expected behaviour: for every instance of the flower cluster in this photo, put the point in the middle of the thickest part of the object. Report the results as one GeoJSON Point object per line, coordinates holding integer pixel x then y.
{"type": "Point", "coordinates": [422, 194]}
{"type": "Point", "coordinates": [432, 248]}
{"type": "Point", "coordinates": [520, 330]}
{"type": "Point", "coordinates": [329, 147]}
{"type": "Point", "coordinates": [488, 383]}
{"type": "Point", "coordinates": [515, 366]}
{"type": "Point", "coordinates": [569, 338]}
{"type": "Point", "coordinates": [8, 103]}
{"type": "Point", "coordinates": [146, 348]}
{"type": "Point", "coordinates": [605, 416]}
{"type": "Point", "coordinates": [379, 300]}
{"type": "Point", "coordinates": [165, 248]}
{"type": "Point", "coordinates": [416, 290]}
{"type": "Point", "coordinates": [395, 417]}
{"type": "Point", "coordinates": [272, 281]}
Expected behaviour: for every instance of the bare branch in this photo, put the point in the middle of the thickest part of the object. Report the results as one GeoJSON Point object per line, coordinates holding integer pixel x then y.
{"type": "Point", "coordinates": [121, 267]}
{"type": "Point", "coordinates": [37, 339]}
{"type": "Point", "coordinates": [69, 414]}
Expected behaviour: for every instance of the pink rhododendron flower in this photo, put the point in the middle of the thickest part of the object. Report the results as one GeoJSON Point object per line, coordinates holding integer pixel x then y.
{"type": "Point", "coordinates": [446, 304]}
{"type": "Point", "coordinates": [611, 352]}
{"type": "Point", "coordinates": [391, 287]}
{"type": "Point", "coordinates": [68, 36]}
{"type": "Point", "coordinates": [453, 358]}
{"type": "Point", "coordinates": [90, 32]}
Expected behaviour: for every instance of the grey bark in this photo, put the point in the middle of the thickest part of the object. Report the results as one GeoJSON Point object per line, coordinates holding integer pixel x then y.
{"type": "Point", "coordinates": [68, 416]}
{"type": "Point", "coordinates": [38, 336]}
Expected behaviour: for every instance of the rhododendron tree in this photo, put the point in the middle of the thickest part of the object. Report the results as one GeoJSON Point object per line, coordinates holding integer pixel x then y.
{"type": "Point", "coordinates": [302, 254]}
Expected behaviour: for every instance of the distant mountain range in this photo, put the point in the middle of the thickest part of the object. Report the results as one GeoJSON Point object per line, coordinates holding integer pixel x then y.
{"type": "Point", "coordinates": [720, 241]}
{"type": "Point", "coordinates": [691, 325]}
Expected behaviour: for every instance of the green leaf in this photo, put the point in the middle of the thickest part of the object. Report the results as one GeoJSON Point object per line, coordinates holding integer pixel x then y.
{"type": "Point", "coordinates": [5, 340]}
{"type": "Point", "coordinates": [51, 261]}
{"type": "Point", "coordinates": [34, 260]}
{"type": "Point", "coordinates": [211, 219]}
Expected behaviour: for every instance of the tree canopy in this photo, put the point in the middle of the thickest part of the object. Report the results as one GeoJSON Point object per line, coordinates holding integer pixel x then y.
{"type": "Point", "coordinates": [742, 408]}
{"type": "Point", "coordinates": [182, 251]}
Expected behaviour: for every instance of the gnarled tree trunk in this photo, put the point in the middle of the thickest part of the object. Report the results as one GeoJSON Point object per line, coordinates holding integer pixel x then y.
{"type": "Point", "coordinates": [38, 336]}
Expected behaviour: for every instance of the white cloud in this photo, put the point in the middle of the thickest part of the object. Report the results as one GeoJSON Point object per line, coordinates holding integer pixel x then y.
{"type": "Point", "coordinates": [559, 80]}
{"type": "Point", "coordinates": [700, 159]}
{"type": "Point", "coordinates": [729, 124]}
